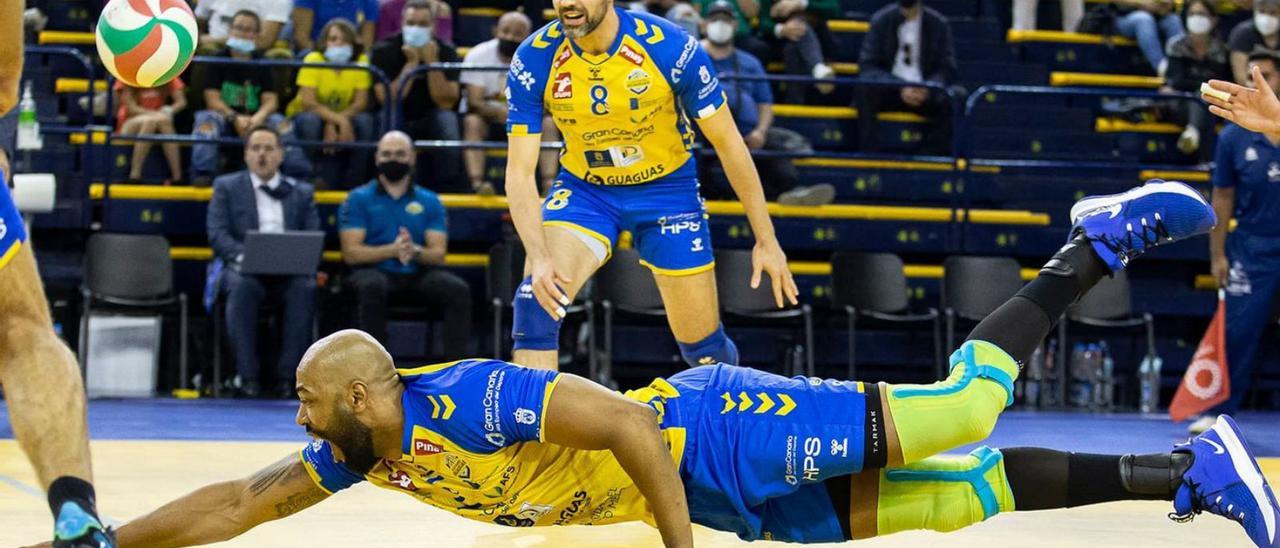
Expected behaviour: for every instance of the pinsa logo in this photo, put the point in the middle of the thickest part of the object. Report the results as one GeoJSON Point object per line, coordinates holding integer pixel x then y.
{"type": "Point", "coordinates": [423, 447]}
{"type": "Point", "coordinates": [631, 55]}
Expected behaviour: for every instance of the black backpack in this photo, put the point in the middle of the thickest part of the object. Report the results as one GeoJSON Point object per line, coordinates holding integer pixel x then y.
{"type": "Point", "coordinates": [1099, 19]}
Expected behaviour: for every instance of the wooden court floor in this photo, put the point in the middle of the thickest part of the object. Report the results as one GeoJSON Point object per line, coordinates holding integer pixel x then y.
{"type": "Point", "coordinates": [136, 476]}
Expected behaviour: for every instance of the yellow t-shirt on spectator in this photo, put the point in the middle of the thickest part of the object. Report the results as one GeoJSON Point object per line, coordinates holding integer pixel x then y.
{"type": "Point", "coordinates": [335, 88]}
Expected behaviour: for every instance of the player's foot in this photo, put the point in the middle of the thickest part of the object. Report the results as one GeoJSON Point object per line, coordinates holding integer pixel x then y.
{"type": "Point", "coordinates": [1224, 479]}
{"type": "Point", "coordinates": [1123, 226]}
{"type": "Point", "coordinates": [77, 528]}
{"type": "Point", "coordinates": [1201, 425]}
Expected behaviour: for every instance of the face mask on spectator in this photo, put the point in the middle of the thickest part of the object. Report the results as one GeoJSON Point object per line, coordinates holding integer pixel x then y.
{"type": "Point", "coordinates": [1267, 24]}
{"type": "Point", "coordinates": [507, 47]}
{"type": "Point", "coordinates": [415, 36]}
{"type": "Point", "coordinates": [393, 170]}
{"type": "Point", "coordinates": [1199, 24]}
{"type": "Point", "coordinates": [338, 54]}
{"type": "Point", "coordinates": [720, 32]}
{"type": "Point", "coordinates": [242, 45]}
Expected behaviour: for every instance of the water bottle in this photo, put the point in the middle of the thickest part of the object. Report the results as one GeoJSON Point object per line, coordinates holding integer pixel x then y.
{"type": "Point", "coordinates": [28, 125]}
{"type": "Point", "coordinates": [1149, 383]}
{"type": "Point", "coordinates": [1035, 373]}
{"type": "Point", "coordinates": [1107, 386]}
{"type": "Point", "coordinates": [1051, 376]}
{"type": "Point", "coordinates": [1079, 384]}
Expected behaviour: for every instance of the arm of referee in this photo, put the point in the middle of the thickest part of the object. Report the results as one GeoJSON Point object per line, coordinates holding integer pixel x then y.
{"type": "Point", "coordinates": [225, 510]}
{"type": "Point", "coordinates": [585, 415]}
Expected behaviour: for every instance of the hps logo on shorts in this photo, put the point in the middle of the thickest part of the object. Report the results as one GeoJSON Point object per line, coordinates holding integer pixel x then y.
{"type": "Point", "coordinates": [812, 448]}
{"type": "Point", "coordinates": [676, 224]}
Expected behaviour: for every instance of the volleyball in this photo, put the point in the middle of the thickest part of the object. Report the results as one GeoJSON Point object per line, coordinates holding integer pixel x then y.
{"type": "Point", "coordinates": [146, 43]}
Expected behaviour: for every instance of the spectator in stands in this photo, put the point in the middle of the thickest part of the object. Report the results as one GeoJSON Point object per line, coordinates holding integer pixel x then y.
{"type": "Point", "coordinates": [751, 102]}
{"type": "Point", "coordinates": [798, 28]}
{"type": "Point", "coordinates": [331, 106]}
{"type": "Point", "coordinates": [745, 13]}
{"type": "Point", "coordinates": [1261, 32]}
{"type": "Point", "coordinates": [1145, 21]}
{"type": "Point", "coordinates": [310, 15]}
{"type": "Point", "coordinates": [389, 19]}
{"type": "Point", "coordinates": [1246, 261]}
{"type": "Point", "coordinates": [428, 100]}
{"type": "Point", "coordinates": [215, 18]}
{"type": "Point", "coordinates": [149, 111]}
{"type": "Point", "coordinates": [1024, 14]}
{"type": "Point", "coordinates": [394, 237]}
{"type": "Point", "coordinates": [240, 97]}
{"type": "Point", "coordinates": [1196, 57]}
{"type": "Point", "coordinates": [261, 198]}
{"type": "Point", "coordinates": [484, 105]}
{"type": "Point", "coordinates": [676, 11]}
{"type": "Point", "coordinates": [909, 43]}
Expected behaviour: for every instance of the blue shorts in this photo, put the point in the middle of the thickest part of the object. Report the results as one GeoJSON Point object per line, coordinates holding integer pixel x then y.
{"type": "Point", "coordinates": [759, 446]}
{"type": "Point", "coordinates": [12, 232]}
{"type": "Point", "coordinates": [666, 218]}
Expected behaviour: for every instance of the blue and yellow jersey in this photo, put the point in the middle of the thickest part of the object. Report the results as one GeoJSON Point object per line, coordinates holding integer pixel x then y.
{"type": "Point", "coordinates": [472, 446]}
{"type": "Point", "coordinates": [623, 114]}
{"type": "Point", "coordinates": [12, 232]}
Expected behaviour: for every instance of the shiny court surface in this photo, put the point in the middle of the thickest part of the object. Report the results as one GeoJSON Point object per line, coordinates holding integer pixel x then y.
{"type": "Point", "coordinates": [148, 452]}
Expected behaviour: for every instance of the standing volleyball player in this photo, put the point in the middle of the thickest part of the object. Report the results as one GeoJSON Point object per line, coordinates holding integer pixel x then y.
{"type": "Point", "coordinates": [42, 385]}
{"type": "Point", "coordinates": [621, 87]}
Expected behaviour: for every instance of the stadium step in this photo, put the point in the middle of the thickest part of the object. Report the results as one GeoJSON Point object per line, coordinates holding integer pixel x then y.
{"type": "Point", "coordinates": [1070, 51]}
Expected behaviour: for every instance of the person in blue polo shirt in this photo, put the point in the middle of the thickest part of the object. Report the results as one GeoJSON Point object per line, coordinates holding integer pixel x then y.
{"type": "Point", "coordinates": [394, 236]}
{"type": "Point", "coordinates": [1246, 262]}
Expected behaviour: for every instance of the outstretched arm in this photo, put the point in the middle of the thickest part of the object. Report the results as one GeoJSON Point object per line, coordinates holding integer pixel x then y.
{"type": "Point", "coordinates": [224, 510]}
{"type": "Point", "coordinates": [584, 415]}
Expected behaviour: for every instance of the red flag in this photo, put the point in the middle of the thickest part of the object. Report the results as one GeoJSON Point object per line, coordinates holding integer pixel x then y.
{"type": "Point", "coordinates": [1207, 382]}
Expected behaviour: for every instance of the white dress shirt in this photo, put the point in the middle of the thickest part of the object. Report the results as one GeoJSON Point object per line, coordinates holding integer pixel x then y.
{"type": "Point", "coordinates": [270, 210]}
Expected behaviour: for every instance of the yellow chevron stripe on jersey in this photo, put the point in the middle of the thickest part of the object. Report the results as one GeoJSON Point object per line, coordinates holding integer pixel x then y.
{"type": "Point", "coordinates": [657, 36]}
{"type": "Point", "coordinates": [641, 28]}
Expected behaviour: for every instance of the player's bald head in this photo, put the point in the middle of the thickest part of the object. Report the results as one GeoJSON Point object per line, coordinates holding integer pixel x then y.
{"type": "Point", "coordinates": [343, 358]}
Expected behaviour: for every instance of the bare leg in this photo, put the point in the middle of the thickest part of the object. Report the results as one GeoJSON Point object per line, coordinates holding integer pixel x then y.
{"type": "Point", "coordinates": [41, 380]}
{"type": "Point", "coordinates": [172, 156]}
{"type": "Point", "coordinates": [138, 125]}
{"type": "Point", "coordinates": [693, 308]}
{"type": "Point", "coordinates": [576, 260]}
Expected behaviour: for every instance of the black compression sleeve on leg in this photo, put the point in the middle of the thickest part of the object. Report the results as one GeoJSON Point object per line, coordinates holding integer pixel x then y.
{"type": "Point", "coordinates": [71, 489]}
{"type": "Point", "coordinates": [1042, 478]}
{"type": "Point", "coordinates": [1020, 324]}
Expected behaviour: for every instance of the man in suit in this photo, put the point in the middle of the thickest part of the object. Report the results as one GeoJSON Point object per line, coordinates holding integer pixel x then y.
{"type": "Point", "coordinates": [910, 43]}
{"type": "Point", "coordinates": [261, 198]}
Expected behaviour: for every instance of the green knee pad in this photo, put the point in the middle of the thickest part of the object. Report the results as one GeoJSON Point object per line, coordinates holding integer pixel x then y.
{"type": "Point", "coordinates": [943, 493]}
{"type": "Point", "coordinates": [962, 409]}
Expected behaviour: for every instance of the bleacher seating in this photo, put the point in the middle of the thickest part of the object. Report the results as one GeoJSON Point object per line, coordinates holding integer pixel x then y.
{"type": "Point", "coordinates": [1023, 159]}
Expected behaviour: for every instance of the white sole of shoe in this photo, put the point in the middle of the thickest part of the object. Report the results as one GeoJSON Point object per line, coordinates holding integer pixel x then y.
{"type": "Point", "coordinates": [1248, 472]}
{"type": "Point", "coordinates": [1087, 205]}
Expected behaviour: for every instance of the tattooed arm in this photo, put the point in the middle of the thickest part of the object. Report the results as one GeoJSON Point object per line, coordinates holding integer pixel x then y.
{"type": "Point", "coordinates": [224, 510]}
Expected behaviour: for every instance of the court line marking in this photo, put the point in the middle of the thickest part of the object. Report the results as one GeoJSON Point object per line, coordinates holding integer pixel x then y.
{"type": "Point", "coordinates": [27, 489]}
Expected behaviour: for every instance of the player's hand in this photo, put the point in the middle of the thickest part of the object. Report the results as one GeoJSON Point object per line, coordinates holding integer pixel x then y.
{"type": "Point", "coordinates": [1221, 269]}
{"type": "Point", "coordinates": [767, 256]}
{"type": "Point", "coordinates": [1256, 110]}
{"type": "Point", "coordinates": [546, 287]}
{"type": "Point", "coordinates": [755, 140]}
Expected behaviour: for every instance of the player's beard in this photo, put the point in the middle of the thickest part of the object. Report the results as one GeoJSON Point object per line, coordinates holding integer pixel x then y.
{"type": "Point", "coordinates": [354, 439]}
{"type": "Point", "coordinates": [593, 21]}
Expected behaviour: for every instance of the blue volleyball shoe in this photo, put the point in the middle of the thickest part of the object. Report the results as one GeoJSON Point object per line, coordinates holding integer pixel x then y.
{"type": "Point", "coordinates": [77, 528]}
{"type": "Point", "coordinates": [1123, 226]}
{"type": "Point", "coordinates": [1224, 479]}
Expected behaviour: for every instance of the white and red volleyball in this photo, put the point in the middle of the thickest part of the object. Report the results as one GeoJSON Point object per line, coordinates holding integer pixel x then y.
{"type": "Point", "coordinates": [146, 43]}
